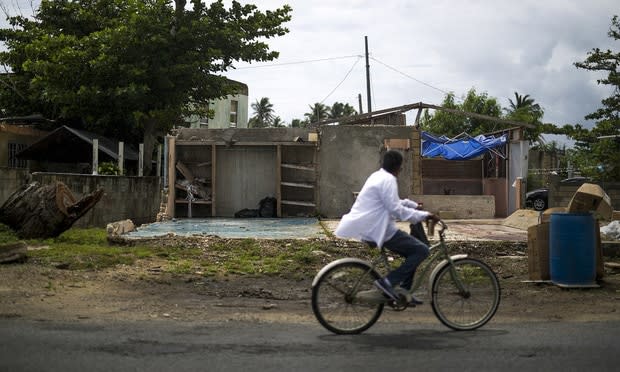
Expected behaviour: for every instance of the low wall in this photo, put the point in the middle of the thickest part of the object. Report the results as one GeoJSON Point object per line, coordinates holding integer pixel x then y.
{"type": "Point", "coordinates": [135, 198]}
{"type": "Point", "coordinates": [458, 206]}
{"type": "Point", "coordinates": [11, 179]}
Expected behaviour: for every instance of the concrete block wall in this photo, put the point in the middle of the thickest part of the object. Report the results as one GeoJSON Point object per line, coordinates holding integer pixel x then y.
{"type": "Point", "coordinates": [135, 198]}
{"type": "Point", "coordinates": [349, 154]}
{"type": "Point", "coordinates": [11, 179]}
{"type": "Point", "coordinates": [459, 206]}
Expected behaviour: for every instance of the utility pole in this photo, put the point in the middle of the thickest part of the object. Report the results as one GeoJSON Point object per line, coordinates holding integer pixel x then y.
{"type": "Point", "coordinates": [359, 101]}
{"type": "Point", "coordinates": [367, 76]}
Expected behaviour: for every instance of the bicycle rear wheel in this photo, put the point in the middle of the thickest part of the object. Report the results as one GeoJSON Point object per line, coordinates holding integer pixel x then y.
{"type": "Point", "coordinates": [475, 306]}
{"type": "Point", "coordinates": [334, 300]}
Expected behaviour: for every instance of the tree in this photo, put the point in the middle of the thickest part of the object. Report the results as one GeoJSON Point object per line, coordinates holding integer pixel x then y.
{"type": "Point", "coordinates": [278, 122]}
{"type": "Point", "coordinates": [298, 123]}
{"type": "Point", "coordinates": [451, 125]}
{"type": "Point", "coordinates": [130, 66]}
{"type": "Point", "coordinates": [524, 109]}
{"type": "Point", "coordinates": [318, 112]}
{"type": "Point", "coordinates": [340, 109]}
{"type": "Point", "coordinates": [263, 113]}
{"type": "Point", "coordinates": [598, 150]}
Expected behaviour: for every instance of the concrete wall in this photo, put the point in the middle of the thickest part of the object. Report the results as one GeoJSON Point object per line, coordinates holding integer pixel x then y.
{"type": "Point", "coordinates": [135, 198]}
{"type": "Point", "coordinates": [459, 206]}
{"type": "Point", "coordinates": [560, 195]}
{"type": "Point", "coordinates": [11, 179]}
{"type": "Point", "coordinates": [349, 154]}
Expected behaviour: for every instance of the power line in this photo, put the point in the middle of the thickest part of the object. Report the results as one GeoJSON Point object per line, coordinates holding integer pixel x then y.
{"type": "Point", "coordinates": [409, 76]}
{"type": "Point", "coordinates": [299, 62]}
{"type": "Point", "coordinates": [342, 81]}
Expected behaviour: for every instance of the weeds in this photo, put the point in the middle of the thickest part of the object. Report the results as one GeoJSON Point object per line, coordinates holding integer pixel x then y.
{"type": "Point", "coordinates": [88, 249]}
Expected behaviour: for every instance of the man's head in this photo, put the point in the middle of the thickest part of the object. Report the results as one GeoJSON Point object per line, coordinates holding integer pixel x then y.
{"type": "Point", "coordinates": [392, 161]}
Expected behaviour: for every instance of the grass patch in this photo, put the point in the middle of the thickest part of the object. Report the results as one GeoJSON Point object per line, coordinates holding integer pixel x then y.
{"type": "Point", "coordinates": [88, 249]}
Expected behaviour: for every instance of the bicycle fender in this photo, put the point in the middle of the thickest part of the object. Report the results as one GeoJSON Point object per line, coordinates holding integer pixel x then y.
{"type": "Point", "coordinates": [334, 263]}
{"type": "Point", "coordinates": [440, 266]}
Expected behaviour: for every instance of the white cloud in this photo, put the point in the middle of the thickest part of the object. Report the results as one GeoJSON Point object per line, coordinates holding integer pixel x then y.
{"type": "Point", "coordinates": [498, 47]}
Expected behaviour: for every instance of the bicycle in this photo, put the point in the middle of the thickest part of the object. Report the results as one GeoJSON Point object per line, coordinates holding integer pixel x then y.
{"type": "Point", "coordinates": [464, 292]}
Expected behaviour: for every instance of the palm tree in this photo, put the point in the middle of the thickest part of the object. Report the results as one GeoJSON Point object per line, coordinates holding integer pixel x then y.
{"type": "Point", "coordinates": [318, 112]}
{"type": "Point", "coordinates": [339, 110]}
{"type": "Point", "coordinates": [298, 123]}
{"type": "Point", "coordinates": [263, 113]}
{"type": "Point", "coordinates": [525, 110]}
{"type": "Point", "coordinates": [278, 122]}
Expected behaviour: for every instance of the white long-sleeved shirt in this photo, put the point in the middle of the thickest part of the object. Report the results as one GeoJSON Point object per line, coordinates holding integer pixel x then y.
{"type": "Point", "coordinates": [372, 217]}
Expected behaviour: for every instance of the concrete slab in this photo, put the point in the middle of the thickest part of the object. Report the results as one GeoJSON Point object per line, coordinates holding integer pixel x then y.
{"type": "Point", "coordinates": [475, 230]}
{"type": "Point", "coordinates": [258, 228]}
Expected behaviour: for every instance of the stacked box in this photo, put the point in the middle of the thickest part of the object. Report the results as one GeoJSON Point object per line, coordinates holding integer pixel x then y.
{"type": "Point", "coordinates": [538, 251]}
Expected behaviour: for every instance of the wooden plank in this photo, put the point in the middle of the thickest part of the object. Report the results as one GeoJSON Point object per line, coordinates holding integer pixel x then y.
{"type": "Point", "coordinates": [172, 159]}
{"type": "Point", "coordinates": [213, 183]}
{"type": "Point", "coordinates": [199, 201]}
{"type": "Point", "coordinates": [297, 166]}
{"type": "Point", "coordinates": [298, 184]}
{"type": "Point", "coordinates": [279, 181]}
{"type": "Point", "coordinates": [185, 171]}
{"type": "Point", "coordinates": [244, 143]}
{"type": "Point", "coordinates": [302, 203]}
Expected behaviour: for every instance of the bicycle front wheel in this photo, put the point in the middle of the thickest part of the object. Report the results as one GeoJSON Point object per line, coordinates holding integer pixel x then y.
{"type": "Point", "coordinates": [335, 303]}
{"type": "Point", "coordinates": [475, 305]}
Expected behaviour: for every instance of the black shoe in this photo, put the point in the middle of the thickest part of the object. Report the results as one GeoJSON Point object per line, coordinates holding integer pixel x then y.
{"type": "Point", "coordinates": [414, 301]}
{"type": "Point", "coordinates": [384, 285]}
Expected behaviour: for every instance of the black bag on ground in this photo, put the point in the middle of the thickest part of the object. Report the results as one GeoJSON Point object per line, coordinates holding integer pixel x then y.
{"type": "Point", "coordinates": [267, 207]}
{"type": "Point", "coordinates": [417, 231]}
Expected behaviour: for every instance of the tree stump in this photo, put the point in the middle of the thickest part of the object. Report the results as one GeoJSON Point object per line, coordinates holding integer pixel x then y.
{"type": "Point", "coordinates": [11, 252]}
{"type": "Point", "coordinates": [44, 211]}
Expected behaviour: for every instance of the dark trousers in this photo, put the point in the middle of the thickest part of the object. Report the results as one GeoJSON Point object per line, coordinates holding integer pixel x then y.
{"type": "Point", "coordinates": [413, 251]}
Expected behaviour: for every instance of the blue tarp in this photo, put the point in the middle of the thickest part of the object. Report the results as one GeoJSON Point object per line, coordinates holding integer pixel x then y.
{"type": "Point", "coordinates": [459, 149]}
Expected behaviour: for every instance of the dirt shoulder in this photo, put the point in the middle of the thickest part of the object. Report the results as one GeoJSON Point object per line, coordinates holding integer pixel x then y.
{"type": "Point", "coordinates": [143, 291]}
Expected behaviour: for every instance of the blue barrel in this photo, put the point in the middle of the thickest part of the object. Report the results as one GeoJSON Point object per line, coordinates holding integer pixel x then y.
{"type": "Point", "coordinates": [572, 249]}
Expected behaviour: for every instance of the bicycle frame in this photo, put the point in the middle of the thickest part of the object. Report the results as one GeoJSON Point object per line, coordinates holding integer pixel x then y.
{"type": "Point", "coordinates": [438, 252]}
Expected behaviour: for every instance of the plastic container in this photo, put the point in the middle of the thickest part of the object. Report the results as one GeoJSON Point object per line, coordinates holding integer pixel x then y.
{"type": "Point", "coordinates": [572, 249]}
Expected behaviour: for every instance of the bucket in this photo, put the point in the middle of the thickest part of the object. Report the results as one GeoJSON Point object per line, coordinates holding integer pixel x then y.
{"type": "Point", "coordinates": [572, 249]}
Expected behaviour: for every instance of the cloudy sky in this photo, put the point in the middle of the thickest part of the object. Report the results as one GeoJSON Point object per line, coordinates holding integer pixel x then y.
{"type": "Point", "coordinates": [419, 50]}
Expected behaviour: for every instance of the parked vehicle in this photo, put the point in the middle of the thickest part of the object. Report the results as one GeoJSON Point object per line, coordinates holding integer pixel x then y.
{"type": "Point", "coordinates": [539, 198]}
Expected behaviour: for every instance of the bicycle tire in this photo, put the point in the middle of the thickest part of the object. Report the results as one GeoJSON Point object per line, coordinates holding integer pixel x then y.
{"type": "Point", "coordinates": [472, 310]}
{"type": "Point", "coordinates": [336, 307]}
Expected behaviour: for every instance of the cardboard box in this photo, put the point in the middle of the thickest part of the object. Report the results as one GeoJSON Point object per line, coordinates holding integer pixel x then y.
{"type": "Point", "coordinates": [591, 198]}
{"type": "Point", "coordinates": [546, 215]}
{"type": "Point", "coordinates": [538, 251]}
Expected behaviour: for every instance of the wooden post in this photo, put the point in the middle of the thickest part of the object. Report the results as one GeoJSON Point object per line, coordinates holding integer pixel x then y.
{"type": "Point", "coordinates": [95, 156]}
{"type": "Point", "coordinates": [416, 157]}
{"type": "Point", "coordinates": [213, 180]}
{"type": "Point", "coordinates": [171, 176]}
{"type": "Point", "coordinates": [141, 160]}
{"type": "Point", "coordinates": [279, 180]}
{"type": "Point", "coordinates": [158, 160]}
{"type": "Point", "coordinates": [121, 157]}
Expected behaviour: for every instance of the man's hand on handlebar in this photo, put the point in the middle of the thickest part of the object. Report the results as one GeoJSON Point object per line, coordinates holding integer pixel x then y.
{"type": "Point", "coordinates": [433, 217]}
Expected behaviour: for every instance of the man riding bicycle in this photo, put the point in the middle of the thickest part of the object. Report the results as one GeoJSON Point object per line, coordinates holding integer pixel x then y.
{"type": "Point", "coordinates": [372, 218]}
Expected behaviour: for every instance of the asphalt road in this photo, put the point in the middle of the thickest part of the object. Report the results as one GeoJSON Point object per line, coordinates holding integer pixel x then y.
{"type": "Point", "coordinates": [29, 345]}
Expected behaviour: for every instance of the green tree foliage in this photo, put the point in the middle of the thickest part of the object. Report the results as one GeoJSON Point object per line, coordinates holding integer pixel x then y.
{"type": "Point", "coordinates": [524, 109]}
{"type": "Point", "coordinates": [298, 123]}
{"type": "Point", "coordinates": [340, 109]}
{"type": "Point", "coordinates": [451, 124]}
{"type": "Point", "coordinates": [595, 156]}
{"type": "Point", "coordinates": [130, 66]}
{"type": "Point", "coordinates": [317, 112]}
{"type": "Point", "coordinates": [263, 114]}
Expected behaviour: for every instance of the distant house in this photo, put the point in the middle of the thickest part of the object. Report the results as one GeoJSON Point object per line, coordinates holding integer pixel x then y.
{"type": "Point", "coordinates": [16, 134]}
{"type": "Point", "coordinates": [230, 112]}
{"type": "Point", "coordinates": [70, 150]}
